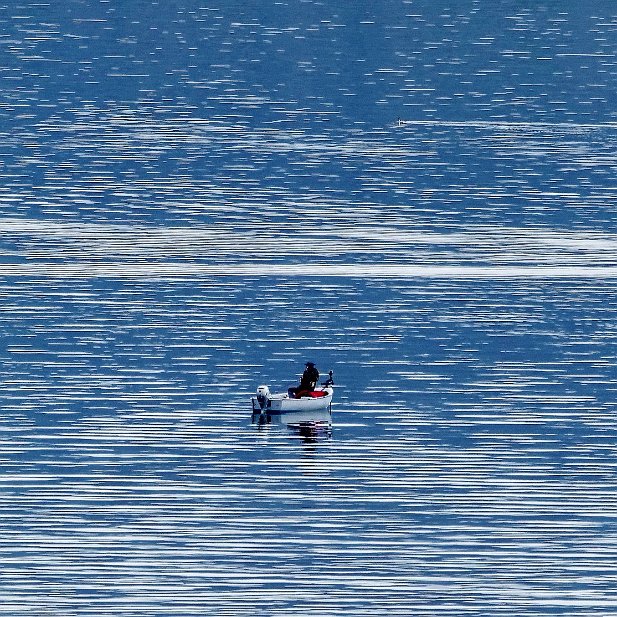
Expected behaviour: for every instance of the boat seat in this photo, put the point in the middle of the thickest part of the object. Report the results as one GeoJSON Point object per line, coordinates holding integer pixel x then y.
{"type": "Point", "coordinates": [310, 394]}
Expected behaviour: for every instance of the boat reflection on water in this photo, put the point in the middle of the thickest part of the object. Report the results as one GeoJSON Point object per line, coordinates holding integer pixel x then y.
{"type": "Point", "coordinates": [310, 425]}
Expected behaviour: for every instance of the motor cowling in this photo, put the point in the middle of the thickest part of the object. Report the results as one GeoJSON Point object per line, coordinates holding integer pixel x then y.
{"type": "Point", "coordinates": [263, 394]}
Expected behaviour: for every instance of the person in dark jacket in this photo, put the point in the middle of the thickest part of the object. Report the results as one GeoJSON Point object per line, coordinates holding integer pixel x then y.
{"type": "Point", "coordinates": [309, 378]}
{"type": "Point", "coordinates": [308, 381]}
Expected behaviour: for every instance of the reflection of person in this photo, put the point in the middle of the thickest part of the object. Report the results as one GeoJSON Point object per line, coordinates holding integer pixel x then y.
{"type": "Point", "coordinates": [308, 381]}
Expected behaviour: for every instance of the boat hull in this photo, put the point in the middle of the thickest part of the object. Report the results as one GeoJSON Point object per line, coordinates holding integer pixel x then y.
{"type": "Point", "coordinates": [282, 403]}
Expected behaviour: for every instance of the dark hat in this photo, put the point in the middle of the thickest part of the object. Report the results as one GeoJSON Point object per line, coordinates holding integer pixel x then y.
{"type": "Point", "coordinates": [310, 364]}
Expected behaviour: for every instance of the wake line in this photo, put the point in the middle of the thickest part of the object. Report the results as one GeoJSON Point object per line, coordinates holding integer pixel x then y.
{"type": "Point", "coordinates": [139, 270]}
{"type": "Point", "coordinates": [491, 124]}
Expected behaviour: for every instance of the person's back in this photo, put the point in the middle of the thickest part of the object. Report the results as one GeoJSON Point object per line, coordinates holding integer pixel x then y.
{"type": "Point", "coordinates": [309, 378]}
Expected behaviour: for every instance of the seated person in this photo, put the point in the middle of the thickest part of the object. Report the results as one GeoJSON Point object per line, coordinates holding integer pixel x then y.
{"type": "Point", "coordinates": [308, 381]}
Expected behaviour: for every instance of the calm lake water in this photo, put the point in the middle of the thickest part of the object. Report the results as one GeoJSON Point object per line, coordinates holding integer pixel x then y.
{"type": "Point", "coordinates": [195, 200]}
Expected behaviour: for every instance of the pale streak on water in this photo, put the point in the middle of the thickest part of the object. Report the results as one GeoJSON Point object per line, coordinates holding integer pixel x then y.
{"type": "Point", "coordinates": [458, 276]}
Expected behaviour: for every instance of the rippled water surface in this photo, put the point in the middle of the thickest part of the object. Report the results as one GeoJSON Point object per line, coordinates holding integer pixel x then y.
{"type": "Point", "coordinates": [194, 200]}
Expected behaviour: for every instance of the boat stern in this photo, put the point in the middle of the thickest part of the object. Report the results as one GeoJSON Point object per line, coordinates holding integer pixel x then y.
{"type": "Point", "coordinates": [262, 400]}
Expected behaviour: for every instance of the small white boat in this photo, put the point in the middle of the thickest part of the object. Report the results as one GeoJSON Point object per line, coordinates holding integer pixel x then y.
{"type": "Point", "coordinates": [320, 398]}
{"type": "Point", "coordinates": [266, 402]}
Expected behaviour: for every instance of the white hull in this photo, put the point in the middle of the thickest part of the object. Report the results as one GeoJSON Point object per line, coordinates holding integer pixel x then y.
{"type": "Point", "coordinates": [281, 403]}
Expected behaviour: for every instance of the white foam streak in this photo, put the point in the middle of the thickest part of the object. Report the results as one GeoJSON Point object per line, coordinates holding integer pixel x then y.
{"type": "Point", "coordinates": [123, 270]}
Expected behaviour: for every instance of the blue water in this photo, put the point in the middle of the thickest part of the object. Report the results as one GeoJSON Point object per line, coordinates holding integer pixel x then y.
{"type": "Point", "coordinates": [195, 200]}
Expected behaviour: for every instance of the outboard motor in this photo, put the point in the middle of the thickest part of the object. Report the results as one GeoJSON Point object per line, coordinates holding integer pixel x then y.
{"type": "Point", "coordinates": [263, 395]}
